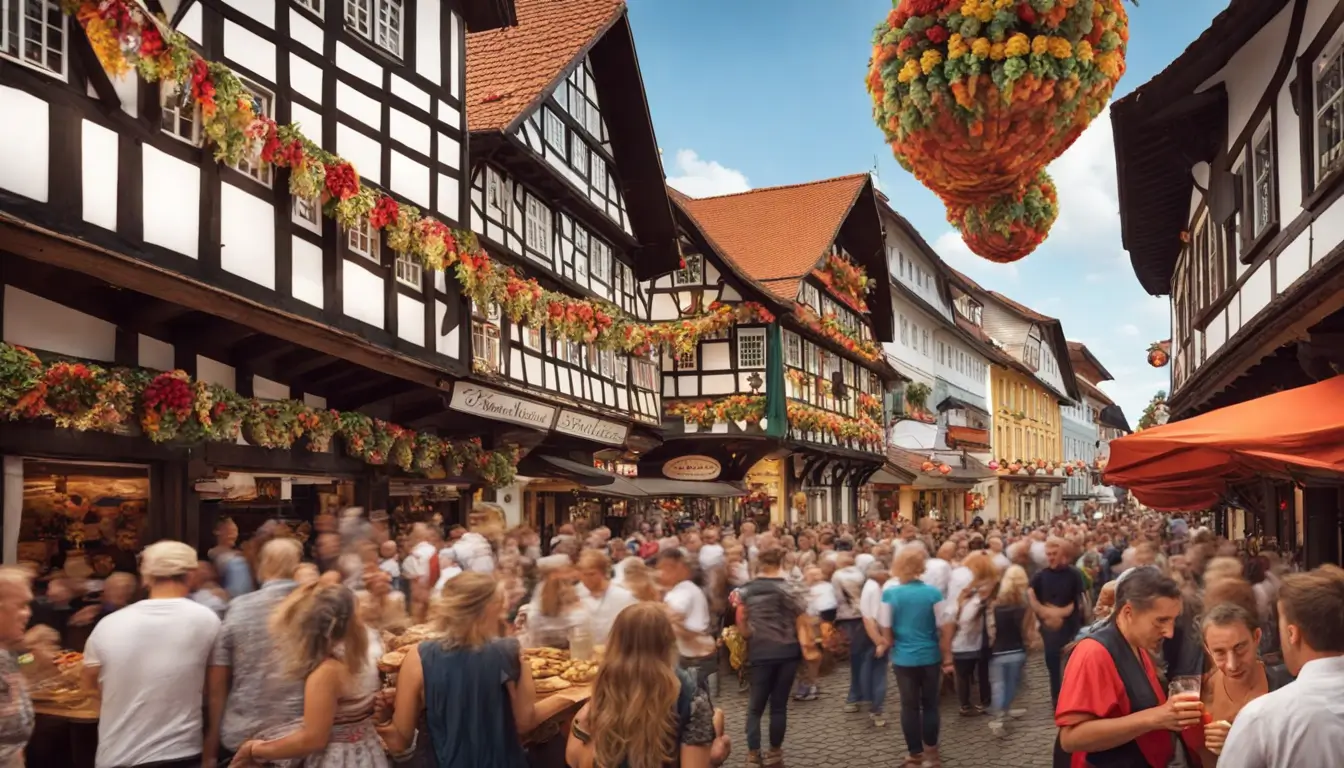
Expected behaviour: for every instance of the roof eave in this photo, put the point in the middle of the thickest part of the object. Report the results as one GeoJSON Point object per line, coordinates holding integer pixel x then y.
{"type": "Point", "coordinates": [485, 15]}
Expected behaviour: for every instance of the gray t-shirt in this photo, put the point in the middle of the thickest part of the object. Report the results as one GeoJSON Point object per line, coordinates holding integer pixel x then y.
{"type": "Point", "coordinates": [261, 696]}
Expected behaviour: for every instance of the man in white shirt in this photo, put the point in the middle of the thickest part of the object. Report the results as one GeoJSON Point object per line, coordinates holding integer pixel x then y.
{"type": "Point", "coordinates": [415, 568]}
{"type": "Point", "coordinates": [1001, 561]}
{"type": "Point", "coordinates": [1302, 723]}
{"type": "Point", "coordinates": [938, 570]}
{"type": "Point", "coordinates": [147, 665]}
{"type": "Point", "coordinates": [605, 599]}
{"type": "Point", "coordinates": [711, 552]}
{"type": "Point", "coordinates": [690, 611]}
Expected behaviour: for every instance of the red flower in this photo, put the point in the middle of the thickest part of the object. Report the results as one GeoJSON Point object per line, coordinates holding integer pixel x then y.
{"type": "Point", "coordinates": [936, 34]}
{"type": "Point", "coordinates": [151, 42]}
{"type": "Point", "coordinates": [342, 183]}
{"type": "Point", "coordinates": [1026, 13]}
{"type": "Point", "coordinates": [292, 155]}
{"type": "Point", "coordinates": [682, 264]}
{"type": "Point", "coordinates": [921, 7]}
{"type": "Point", "coordinates": [905, 45]}
{"type": "Point", "coordinates": [271, 147]}
{"type": "Point", "coordinates": [384, 213]}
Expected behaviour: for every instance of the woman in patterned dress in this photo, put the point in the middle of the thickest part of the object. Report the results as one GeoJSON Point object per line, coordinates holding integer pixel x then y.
{"type": "Point", "coordinates": [319, 632]}
{"type": "Point", "coordinates": [16, 709]}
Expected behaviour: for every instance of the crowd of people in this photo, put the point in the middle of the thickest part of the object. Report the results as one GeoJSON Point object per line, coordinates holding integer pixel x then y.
{"type": "Point", "coordinates": [1164, 644]}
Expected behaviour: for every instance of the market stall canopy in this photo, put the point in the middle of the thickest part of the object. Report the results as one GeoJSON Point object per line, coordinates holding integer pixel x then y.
{"type": "Point", "coordinates": [595, 479]}
{"type": "Point", "coordinates": [659, 486]}
{"type": "Point", "coordinates": [1189, 464]}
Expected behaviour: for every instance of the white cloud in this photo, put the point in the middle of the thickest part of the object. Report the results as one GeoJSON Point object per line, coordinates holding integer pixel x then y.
{"type": "Point", "coordinates": [1089, 204]}
{"type": "Point", "coordinates": [1097, 277]}
{"type": "Point", "coordinates": [696, 177]}
{"type": "Point", "coordinates": [1129, 329]}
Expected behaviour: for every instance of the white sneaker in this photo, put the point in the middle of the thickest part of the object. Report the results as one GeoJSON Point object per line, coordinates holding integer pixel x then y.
{"type": "Point", "coordinates": [997, 728]}
{"type": "Point", "coordinates": [851, 707]}
{"type": "Point", "coordinates": [879, 721]}
{"type": "Point", "coordinates": [1016, 713]}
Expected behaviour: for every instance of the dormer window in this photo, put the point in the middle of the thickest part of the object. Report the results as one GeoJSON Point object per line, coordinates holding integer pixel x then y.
{"type": "Point", "coordinates": [1031, 350]}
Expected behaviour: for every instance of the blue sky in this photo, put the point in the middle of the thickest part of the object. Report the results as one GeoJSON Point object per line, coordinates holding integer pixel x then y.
{"type": "Point", "coordinates": [757, 93]}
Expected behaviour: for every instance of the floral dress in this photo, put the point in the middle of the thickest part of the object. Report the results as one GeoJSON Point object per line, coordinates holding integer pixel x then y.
{"type": "Point", "coordinates": [353, 742]}
{"type": "Point", "coordinates": [16, 713]}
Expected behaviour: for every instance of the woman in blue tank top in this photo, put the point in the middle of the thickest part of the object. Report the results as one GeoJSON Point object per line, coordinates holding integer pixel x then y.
{"type": "Point", "coordinates": [476, 694]}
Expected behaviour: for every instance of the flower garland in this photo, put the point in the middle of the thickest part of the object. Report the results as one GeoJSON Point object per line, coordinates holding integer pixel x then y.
{"type": "Point", "coordinates": [1037, 466]}
{"type": "Point", "coordinates": [705, 413]}
{"type": "Point", "coordinates": [976, 97]}
{"type": "Point", "coordinates": [870, 406]}
{"type": "Point", "coordinates": [831, 328]}
{"type": "Point", "coordinates": [170, 406]}
{"type": "Point", "coordinates": [845, 279]}
{"type": "Point", "coordinates": [125, 37]}
{"type": "Point", "coordinates": [862, 429]}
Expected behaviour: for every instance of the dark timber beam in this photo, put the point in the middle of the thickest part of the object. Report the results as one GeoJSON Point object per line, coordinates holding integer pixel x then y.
{"type": "Point", "coordinates": [377, 393]}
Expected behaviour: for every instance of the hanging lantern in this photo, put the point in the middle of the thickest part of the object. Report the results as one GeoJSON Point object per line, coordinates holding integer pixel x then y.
{"type": "Point", "coordinates": [1069, 470]}
{"type": "Point", "coordinates": [1015, 467]}
{"type": "Point", "coordinates": [1159, 354]}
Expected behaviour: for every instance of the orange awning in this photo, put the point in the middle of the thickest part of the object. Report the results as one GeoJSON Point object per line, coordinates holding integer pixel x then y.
{"type": "Point", "coordinates": [1189, 464]}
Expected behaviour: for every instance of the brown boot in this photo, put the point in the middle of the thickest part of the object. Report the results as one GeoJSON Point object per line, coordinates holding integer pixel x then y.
{"type": "Point", "coordinates": [913, 761]}
{"type": "Point", "coordinates": [774, 758]}
{"type": "Point", "coordinates": [754, 759]}
{"type": "Point", "coordinates": [931, 759]}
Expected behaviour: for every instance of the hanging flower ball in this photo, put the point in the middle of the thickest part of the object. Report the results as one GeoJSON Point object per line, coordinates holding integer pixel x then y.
{"type": "Point", "coordinates": [944, 469]}
{"type": "Point", "coordinates": [1005, 228]}
{"type": "Point", "coordinates": [993, 465]}
{"type": "Point", "coordinates": [1158, 355]}
{"type": "Point", "coordinates": [927, 466]}
{"type": "Point", "coordinates": [976, 97]}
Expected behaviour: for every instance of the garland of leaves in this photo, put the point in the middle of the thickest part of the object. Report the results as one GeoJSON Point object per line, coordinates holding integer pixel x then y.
{"type": "Point", "coordinates": [748, 408]}
{"type": "Point", "coordinates": [169, 406]}
{"type": "Point", "coordinates": [866, 431]}
{"type": "Point", "coordinates": [1149, 417]}
{"type": "Point", "coordinates": [830, 327]}
{"type": "Point", "coordinates": [125, 37]}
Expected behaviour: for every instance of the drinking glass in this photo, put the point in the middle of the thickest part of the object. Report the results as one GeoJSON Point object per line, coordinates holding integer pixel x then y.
{"type": "Point", "coordinates": [1184, 684]}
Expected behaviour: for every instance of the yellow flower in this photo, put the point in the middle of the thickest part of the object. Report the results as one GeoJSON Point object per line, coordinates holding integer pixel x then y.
{"type": "Point", "coordinates": [980, 47]}
{"type": "Point", "coordinates": [1040, 44]}
{"type": "Point", "coordinates": [1002, 4]}
{"type": "Point", "coordinates": [1060, 47]}
{"type": "Point", "coordinates": [956, 47]}
{"type": "Point", "coordinates": [968, 7]}
{"type": "Point", "coordinates": [908, 72]}
{"type": "Point", "coordinates": [996, 52]}
{"type": "Point", "coordinates": [985, 13]}
{"type": "Point", "coordinates": [929, 60]}
{"type": "Point", "coordinates": [1109, 63]}
{"type": "Point", "coordinates": [1084, 51]}
{"type": "Point", "coordinates": [1017, 45]}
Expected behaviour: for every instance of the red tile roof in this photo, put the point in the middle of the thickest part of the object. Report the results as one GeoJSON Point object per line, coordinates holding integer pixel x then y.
{"type": "Point", "coordinates": [779, 234]}
{"type": "Point", "coordinates": [509, 69]}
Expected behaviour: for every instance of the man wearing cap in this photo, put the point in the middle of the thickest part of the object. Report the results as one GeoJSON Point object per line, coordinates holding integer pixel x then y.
{"type": "Point", "coordinates": [147, 663]}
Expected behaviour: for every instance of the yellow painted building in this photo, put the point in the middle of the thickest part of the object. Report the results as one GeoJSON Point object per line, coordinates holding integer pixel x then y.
{"type": "Point", "coordinates": [1026, 418]}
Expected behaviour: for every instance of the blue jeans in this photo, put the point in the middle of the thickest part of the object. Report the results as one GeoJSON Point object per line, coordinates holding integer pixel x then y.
{"type": "Point", "coordinates": [1005, 674]}
{"type": "Point", "coordinates": [875, 677]}
{"type": "Point", "coordinates": [860, 650]}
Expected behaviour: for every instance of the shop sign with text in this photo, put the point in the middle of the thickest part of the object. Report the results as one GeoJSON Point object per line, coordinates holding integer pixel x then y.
{"type": "Point", "coordinates": [492, 404]}
{"type": "Point", "coordinates": [692, 468]}
{"type": "Point", "coordinates": [591, 428]}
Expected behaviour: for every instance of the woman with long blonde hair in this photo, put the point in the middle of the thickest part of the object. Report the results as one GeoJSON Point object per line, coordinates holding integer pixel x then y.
{"type": "Point", "coordinates": [968, 609]}
{"type": "Point", "coordinates": [318, 633]}
{"type": "Point", "coordinates": [1007, 634]}
{"type": "Point", "coordinates": [639, 580]}
{"type": "Point", "coordinates": [646, 712]}
{"type": "Point", "coordinates": [472, 684]}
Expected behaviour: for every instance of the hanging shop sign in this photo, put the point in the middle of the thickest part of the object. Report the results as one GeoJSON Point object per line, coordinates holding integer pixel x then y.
{"type": "Point", "coordinates": [692, 468]}
{"type": "Point", "coordinates": [591, 428]}
{"type": "Point", "coordinates": [482, 401]}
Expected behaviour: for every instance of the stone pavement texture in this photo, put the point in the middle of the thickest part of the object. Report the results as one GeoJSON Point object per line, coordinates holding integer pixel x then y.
{"type": "Point", "coordinates": [822, 735]}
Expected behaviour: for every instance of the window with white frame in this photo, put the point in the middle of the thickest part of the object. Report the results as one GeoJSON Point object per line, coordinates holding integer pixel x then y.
{"type": "Point", "coordinates": [597, 172]}
{"type": "Point", "coordinates": [1262, 182]}
{"type": "Point", "coordinates": [380, 22]}
{"type": "Point", "coordinates": [263, 103]}
{"type": "Point", "coordinates": [306, 212]}
{"type": "Point", "coordinates": [691, 273]}
{"type": "Point", "coordinates": [409, 271]}
{"type": "Point", "coordinates": [905, 331]}
{"type": "Point", "coordinates": [363, 239]}
{"type": "Point", "coordinates": [809, 357]}
{"type": "Point", "coordinates": [599, 261]}
{"type": "Point", "coordinates": [593, 122]}
{"type": "Point", "coordinates": [578, 105]}
{"type": "Point", "coordinates": [750, 348]}
{"type": "Point", "coordinates": [485, 344]}
{"type": "Point", "coordinates": [33, 33]}
{"type": "Point", "coordinates": [607, 362]}
{"type": "Point", "coordinates": [313, 5]}
{"type": "Point", "coordinates": [622, 370]}
{"type": "Point", "coordinates": [499, 196]}
{"type": "Point", "coordinates": [537, 232]}
{"type": "Point", "coordinates": [553, 128]}
{"type": "Point", "coordinates": [646, 373]}
{"type": "Point", "coordinates": [793, 349]}
{"type": "Point", "coordinates": [532, 337]}
{"type": "Point", "coordinates": [811, 296]}
{"type": "Point", "coordinates": [581, 267]}
{"type": "Point", "coordinates": [574, 353]}
{"type": "Point", "coordinates": [1328, 82]}
{"type": "Point", "coordinates": [686, 361]}
{"type": "Point", "coordinates": [578, 156]}
{"type": "Point", "coordinates": [925, 346]}
{"type": "Point", "coordinates": [179, 121]}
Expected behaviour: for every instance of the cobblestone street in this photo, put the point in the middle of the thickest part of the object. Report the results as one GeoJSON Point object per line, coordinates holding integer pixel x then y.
{"type": "Point", "coordinates": [822, 735]}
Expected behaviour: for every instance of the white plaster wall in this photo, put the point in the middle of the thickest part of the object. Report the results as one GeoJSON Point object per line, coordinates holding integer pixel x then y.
{"type": "Point", "coordinates": [912, 355]}
{"type": "Point", "coordinates": [306, 271]}
{"type": "Point", "coordinates": [172, 204]}
{"type": "Point", "coordinates": [247, 235]}
{"type": "Point", "coordinates": [450, 151]}
{"type": "Point", "coordinates": [409, 131]}
{"type": "Point", "coordinates": [949, 372]}
{"type": "Point", "coordinates": [1249, 71]}
{"type": "Point", "coordinates": [214, 372]}
{"type": "Point", "coordinates": [714, 356]}
{"type": "Point", "coordinates": [365, 153]}
{"type": "Point", "coordinates": [301, 28]}
{"type": "Point", "coordinates": [40, 324]}
{"type": "Point", "coordinates": [191, 24]}
{"type": "Point", "coordinates": [24, 144]}
{"type": "Point", "coordinates": [362, 294]}
{"type": "Point", "coordinates": [1255, 294]}
{"type": "Point", "coordinates": [251, 51]}
{"type": "Point", "coordinates": [409, 178]}
{"type": "Point", "coordinates": [355, 104]}
{"type": "Point", "coordinates": [359, 65]}
{"type": "Point", "coordinates": [266, 389]}
{"type": "Point", "coordinates": [98, 155]}
{"type": "Point", "coordinates": [449, 115]}
{"type": "Point", "coordinates": [260, 11]}
{"type": "Point", "coordinates": [455, 52]}
{"type": "Point", "coordinates": [411, 320]}
{"type": "Point", "coordinates": [450, 199]}
{"type": "Point", "coordinates": [428, 26]}
{"type": "Point", "coordinates": [305, 78]}
{"type": "Point", "coordinates": [154, 354]}
{"type": "Point", "coordinates": [412, 93]}
{"type": "Point", "coordinates": [310, 121]}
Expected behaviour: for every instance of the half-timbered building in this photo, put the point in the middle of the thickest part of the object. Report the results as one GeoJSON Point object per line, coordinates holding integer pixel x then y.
{"type": "Point", "coordinates": [566, 186]}
{"type": "Point", "coordinates": [124, 242]}
{"type": "Point", "coordinates": [1231, 169]}
{"type": "Point", "coordinates": [810, 376]}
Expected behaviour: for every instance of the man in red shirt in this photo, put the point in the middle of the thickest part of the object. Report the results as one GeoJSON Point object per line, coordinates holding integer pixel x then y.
{"type": "Point", "coordinates": [1112, 711]}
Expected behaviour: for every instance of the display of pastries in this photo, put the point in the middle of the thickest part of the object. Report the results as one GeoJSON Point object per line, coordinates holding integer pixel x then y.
{"type": "Point", "coordinates": [580, 671]}
{"type": "Point", "coordinates": [551, 684]}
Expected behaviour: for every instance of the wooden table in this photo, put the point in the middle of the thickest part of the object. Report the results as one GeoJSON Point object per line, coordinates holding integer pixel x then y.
{"type": "Point", "coordinates": [63, 736]}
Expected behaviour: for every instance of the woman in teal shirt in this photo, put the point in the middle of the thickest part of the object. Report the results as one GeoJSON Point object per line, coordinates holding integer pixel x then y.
{"type": "Point", "coordinates": [920, 653]}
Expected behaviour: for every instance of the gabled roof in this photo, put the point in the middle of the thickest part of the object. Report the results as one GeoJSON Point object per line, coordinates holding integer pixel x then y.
{"type": "Point", "coordinates": [510, 69]}
{"type": "Point", "coordinates": [778, 235]}
{"type": "Point", "coordinates": [698, 235]}
{"type": "Point", "coordinates": [1088, 389]}
{"type": "Point", "coordinates": [1086, 365]}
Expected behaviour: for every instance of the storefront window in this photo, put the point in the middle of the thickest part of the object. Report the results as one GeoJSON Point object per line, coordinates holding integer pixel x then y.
{"type": "Point", "coordinates": [84, 519]}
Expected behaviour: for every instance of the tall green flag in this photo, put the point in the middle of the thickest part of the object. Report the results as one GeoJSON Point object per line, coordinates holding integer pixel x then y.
{"type": "Point", "coordinates": [776, 407]}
